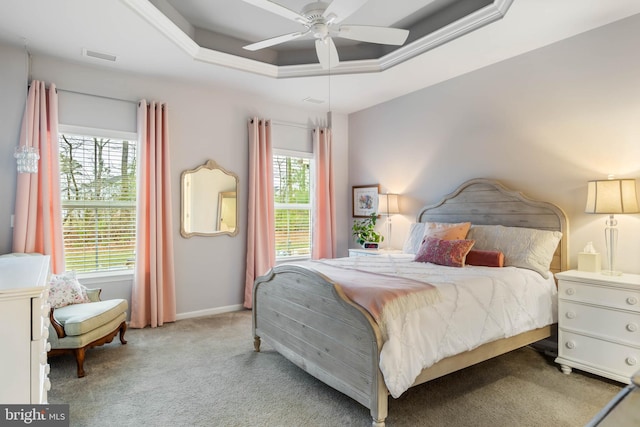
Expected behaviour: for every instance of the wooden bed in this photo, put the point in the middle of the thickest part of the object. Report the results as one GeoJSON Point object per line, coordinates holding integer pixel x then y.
{"type": "Point", "coordinates": [309, 320]}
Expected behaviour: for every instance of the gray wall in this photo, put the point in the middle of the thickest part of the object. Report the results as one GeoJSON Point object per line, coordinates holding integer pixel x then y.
{"type": "Point", "coordinates": [13, 93]}
{"type": "Point", "coordinates": [544, 123]}
{"type": "Point", "coordinates": [205, 123]}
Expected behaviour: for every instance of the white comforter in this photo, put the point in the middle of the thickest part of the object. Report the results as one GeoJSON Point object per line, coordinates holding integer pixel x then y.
{"type": "Point", "coordinates": [476, 305]}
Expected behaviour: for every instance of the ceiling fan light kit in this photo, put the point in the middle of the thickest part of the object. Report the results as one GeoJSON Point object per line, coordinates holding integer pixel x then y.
{"type": "Point", "coordinates": [321, 20]}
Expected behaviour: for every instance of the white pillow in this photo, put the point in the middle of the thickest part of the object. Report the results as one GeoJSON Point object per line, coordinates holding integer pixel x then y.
{"type": "Point", "coordinates": [522, 247]}
{"type": "Point", "coordinates": [64, 289]}
{"type": "Point", "coordinates": [414, 238]}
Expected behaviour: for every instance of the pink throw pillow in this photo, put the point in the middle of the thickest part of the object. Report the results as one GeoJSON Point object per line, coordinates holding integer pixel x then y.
{"type": "Point", "coordinates": [451, 253]}
{"type": "Point", "coordinates": [446, 231]}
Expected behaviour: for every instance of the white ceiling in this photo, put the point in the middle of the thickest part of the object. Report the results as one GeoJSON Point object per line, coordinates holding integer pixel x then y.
{"type": "Point", "coordinates": [63, 28]}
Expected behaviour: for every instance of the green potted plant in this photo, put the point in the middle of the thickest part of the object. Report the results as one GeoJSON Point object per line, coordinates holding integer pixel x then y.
{"type": "Point", "coordinates": [364, 230]}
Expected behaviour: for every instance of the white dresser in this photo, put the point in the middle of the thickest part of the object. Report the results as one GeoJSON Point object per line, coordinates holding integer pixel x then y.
{"type": "Point", "coordinates": [24, 316]}
{"type": "Point", "coordinates": [599, 324]}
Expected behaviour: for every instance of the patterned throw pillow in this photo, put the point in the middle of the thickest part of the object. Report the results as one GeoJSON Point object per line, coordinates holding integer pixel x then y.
{"type": "Point", "coordinates": [451, 253]}
{"type": "Point", "coordinates": [64, 289]}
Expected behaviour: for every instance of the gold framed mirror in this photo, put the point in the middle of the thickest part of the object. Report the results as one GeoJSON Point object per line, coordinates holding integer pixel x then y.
{"type": "Point", "coordinates": [209, 201]}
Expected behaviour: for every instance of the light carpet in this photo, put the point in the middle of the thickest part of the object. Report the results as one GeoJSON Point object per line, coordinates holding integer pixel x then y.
{"type": "Point", "coordinates": [204, 372]}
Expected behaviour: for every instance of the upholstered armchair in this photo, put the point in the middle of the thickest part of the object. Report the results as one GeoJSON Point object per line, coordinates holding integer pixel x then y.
{"type": "Point", "coordinates": [80, 320]}
{"type": "Point", "coordinates": [76, 328]}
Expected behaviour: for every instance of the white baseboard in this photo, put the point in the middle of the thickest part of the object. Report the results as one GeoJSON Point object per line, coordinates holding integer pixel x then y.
{"type": "Point", "coordinates": [209, 312]}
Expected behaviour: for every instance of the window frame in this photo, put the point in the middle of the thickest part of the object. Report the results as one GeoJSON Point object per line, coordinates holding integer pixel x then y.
{"type": "Point", "coordinates": [311, 205]}
{"type": "Point", "coordinates": [101, 277]}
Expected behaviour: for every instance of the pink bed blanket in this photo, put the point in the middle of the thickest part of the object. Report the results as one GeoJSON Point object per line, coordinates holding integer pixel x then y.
{"type": "Point", "coordinates": [381, 295]}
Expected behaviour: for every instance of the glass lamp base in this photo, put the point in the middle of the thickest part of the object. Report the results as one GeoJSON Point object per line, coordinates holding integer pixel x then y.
{"type": "Point", "coordinates": [611, 240]}
{"type": "Point", "coordinates": [611, 272]}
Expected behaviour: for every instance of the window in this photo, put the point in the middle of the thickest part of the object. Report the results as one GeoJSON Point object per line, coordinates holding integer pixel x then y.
{"type": "Point", "coordinates": [98, 187]}
{"type": "Point", "coordinates": [292, 193]}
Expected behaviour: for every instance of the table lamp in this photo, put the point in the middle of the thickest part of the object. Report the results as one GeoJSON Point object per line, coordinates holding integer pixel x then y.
{"type": "Point", "coordinates": [387, 206]}
{"type": "Point", "coordinates": [612, 196]}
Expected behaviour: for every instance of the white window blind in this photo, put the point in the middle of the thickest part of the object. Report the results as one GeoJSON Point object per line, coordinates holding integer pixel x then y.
{"type": "Point", "coordinates": [292, 193]}
{"type": "Point", "coordinates": [98, 187]}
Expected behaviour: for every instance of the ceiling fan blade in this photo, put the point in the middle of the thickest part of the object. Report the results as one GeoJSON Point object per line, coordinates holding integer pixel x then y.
{"type": "Point", "coordinates": [381, 35]}
{"type": "Point", "coordinates": [341, 9]}
{"type": "Point", "coordinates": [278, 10]}
{"type": "Point", "coordinates": [327, 53]}
{"type": "Point", "coordinates": [274, 41]}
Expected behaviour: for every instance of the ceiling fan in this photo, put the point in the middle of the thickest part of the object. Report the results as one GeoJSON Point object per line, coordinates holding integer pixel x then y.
{"type": "Point", "coordinates": [321, 20]}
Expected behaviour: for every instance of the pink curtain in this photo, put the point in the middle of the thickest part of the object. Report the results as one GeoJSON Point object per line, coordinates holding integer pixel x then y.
{"type": "Point", "coordinates": [38, 214]}
{"type": "Point", "coordinates": [324, 214]}
{"type": "Point", "coordinates": [153, 299]}
{"type": "Point", "coordinates": [261, 255]}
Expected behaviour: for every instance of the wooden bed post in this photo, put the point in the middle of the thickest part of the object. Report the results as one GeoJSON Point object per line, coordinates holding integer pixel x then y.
{"type": "Point", "coordinates": [380, 411]}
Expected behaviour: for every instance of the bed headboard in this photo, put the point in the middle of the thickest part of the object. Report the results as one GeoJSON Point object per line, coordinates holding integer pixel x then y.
{"type": "Point", "coordinates": [487, 202]}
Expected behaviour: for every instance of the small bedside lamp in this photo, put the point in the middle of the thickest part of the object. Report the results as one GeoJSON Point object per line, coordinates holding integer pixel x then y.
{"type": "Point", "coordinates": [612, 196]}
{"type": "Point", "coordinates": [388, 205]}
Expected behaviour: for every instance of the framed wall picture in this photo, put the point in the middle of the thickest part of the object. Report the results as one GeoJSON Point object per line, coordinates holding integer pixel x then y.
{"type": "Point", "coordinates": [365, 200]}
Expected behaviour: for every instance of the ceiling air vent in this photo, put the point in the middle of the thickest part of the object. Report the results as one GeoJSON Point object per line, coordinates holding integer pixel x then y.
{"type": "Point", "coordinates": [98, 55]}
{"type": "Point", "coordinates": [313, 100]}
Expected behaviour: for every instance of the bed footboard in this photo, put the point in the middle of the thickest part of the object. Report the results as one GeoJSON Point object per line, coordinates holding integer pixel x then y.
{"type": "Point", "coordinates": [310, 321]}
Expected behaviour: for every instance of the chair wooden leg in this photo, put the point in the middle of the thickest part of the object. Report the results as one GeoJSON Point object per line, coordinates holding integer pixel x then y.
{"type": "Point", "coordinates": [79, 353]}
{"type": "Point", "coordinates": [123, 329]}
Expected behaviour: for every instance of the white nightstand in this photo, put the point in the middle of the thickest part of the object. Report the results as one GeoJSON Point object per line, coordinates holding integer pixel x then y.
{"type": "Point", "coordinates": [599, 324]}
{"type": "Point", "coordinates": [371, 252]}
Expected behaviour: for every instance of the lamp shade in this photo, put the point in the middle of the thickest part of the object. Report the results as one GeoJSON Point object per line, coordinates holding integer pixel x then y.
{"type": "Point", "coordinates": [388, 204]}
{"type": "Point", "coordinates": [612, 196]}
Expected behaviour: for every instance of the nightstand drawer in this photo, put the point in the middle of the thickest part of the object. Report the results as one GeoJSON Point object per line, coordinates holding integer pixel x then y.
{"type": "Point", "coordinates": [626, 299]}
{"type": "Point", "coordinates": [598, 356]}
{"type": "Point", "coordinates": [617, 325]}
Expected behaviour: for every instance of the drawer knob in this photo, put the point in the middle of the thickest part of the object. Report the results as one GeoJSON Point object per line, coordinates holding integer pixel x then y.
{"type": "Point", "coordinates": [48, 347]}
{"type": "Point", "coordinates": [571, 315]}
{"type": "Point", "coordinates": [631, 361]}
{"type": "Point", "coordinates": [571, 291]}
{"type": "Point", "coordinates": [47, 384]}
{"type": "Point", "coordinates": [570, 344]}
{"type": "Point", "coordinates": [632, 300]}
{"type": "Point", "coordinates": [632, 327]}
